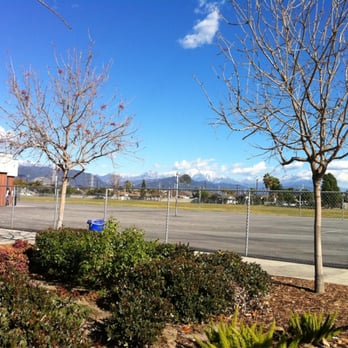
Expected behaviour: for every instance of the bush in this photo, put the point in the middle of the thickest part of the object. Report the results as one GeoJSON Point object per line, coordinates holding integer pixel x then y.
{"type": "Point", "coordinates": [194, 289]}
{"type": "Point", "coordinates": [13, 258]}
{"type": "Point", "coordinates": [122, 250]}
{"type": "Point", "coordinates": [139, 309]}
{"type": "Point", "coordinates": [32, 317]}
{"type": "Point", "coordinates": [186, 288]}
{"type": "Point", "coordinates": [249, 276]}
{"type": "Point", "coordinates": [168, 250]}
{"type": "Point", "coordinates": [94, 259]}
{"type": "Point", "coordinates": [58, 254]}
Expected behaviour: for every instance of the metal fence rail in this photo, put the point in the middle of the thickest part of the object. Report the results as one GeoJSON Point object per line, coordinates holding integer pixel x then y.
{"type": "Point", "coordinates": [271, 224]}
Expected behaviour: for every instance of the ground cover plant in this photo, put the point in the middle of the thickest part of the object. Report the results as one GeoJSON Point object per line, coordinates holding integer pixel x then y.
{"type": "Point", "coordinates": [32, 317]}
{"type": "Point", "coordinates": [151, 287]}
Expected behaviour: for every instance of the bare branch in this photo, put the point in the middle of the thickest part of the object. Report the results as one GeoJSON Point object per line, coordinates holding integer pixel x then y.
{"type": "Point", "coordinates": [43, 3]}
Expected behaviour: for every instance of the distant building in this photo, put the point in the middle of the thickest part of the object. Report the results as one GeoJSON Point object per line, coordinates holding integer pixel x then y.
{"type": "Point", "coordinates": [8, 172]}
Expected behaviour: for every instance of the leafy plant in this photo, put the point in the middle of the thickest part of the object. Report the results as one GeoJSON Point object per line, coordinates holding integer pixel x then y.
{"type": "Point", "coordinates": [305, 328]}
{"type": "Point", "coordinates": [169, 250]}
{"type": "Point", "coordinates": [94, 259]}
{"type": "Point", "coordinates": [139, 311]}
{"type": "Point", "coordinates": [177, 289]}
{"type": "Point", "coordinates": [312, 328]}
{"type": "Point", "coordinates": [30, 316]}
{"type": "Point", "coordinates": [249, 276]}
{"type": "Point", "coordinates": [197, 290]}
{"type": "Point", "coordinates": [237, 335]}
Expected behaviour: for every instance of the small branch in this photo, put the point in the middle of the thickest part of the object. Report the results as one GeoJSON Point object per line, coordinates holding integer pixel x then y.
{"type": "Point", "coordinates": [43, 3]}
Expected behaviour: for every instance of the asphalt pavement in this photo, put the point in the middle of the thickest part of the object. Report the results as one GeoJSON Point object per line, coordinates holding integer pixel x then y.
{"type": "Point", "coordinates": [273, 267]}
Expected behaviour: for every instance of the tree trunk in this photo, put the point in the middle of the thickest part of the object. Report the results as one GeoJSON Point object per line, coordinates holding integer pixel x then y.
{"type": "Point", "coordinates": [318, 254]}
{"type": "Point", "coordinates": [65, 182]}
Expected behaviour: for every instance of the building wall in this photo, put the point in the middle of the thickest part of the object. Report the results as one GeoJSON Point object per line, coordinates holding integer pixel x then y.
{"type": "Point", "coordinates": [3, 183]}
{"type": "Point", "coordinates": [8, 171]}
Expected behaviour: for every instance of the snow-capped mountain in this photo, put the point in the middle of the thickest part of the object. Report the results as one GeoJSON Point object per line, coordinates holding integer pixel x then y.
{"type": "Point", "coordinates": [29, 172]}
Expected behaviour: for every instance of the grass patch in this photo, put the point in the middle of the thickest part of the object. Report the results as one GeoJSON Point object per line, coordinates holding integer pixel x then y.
{"type": "Point", "coordinates": [335, 213]}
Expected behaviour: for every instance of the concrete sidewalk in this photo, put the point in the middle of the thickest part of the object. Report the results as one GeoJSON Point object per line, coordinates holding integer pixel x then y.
{"type": "Point", "coordinates": [273, 267]}
{"type": "Point", "coordinates": [303, 271]}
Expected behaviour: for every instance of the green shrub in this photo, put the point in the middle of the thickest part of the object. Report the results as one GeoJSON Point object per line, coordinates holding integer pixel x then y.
{"type": "Point", "coordinates": [162, 291]}
{"type": "Point", "coordinates": [185, 288]}
{"type": "Point", "coordinates": [139, 309]}
{"type": "Point", "coordinates": [249, 276]}
{"type": "Point", "coordinates": [169, 250]}
{"type": "Point", "coordinates": [30, 316]}
{"type": "Point", "coordinates": [197, 290]}
{"type": "Point", "coordinates": [94, 259]}
{"type": "Point", "coordinates": [126, 249]}
{"type": "Point", "coordinates": [58, 254]}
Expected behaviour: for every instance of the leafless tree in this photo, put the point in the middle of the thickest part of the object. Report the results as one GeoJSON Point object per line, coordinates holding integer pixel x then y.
{"type": "Point", "coordinates": [67, 120]}
{"type": "Point", "coordinates": [286, 79]}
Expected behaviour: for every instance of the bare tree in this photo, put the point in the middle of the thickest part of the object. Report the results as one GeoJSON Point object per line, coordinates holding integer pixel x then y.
{"type": "Point", "coordinates": [68, 122]}
{"type": "Point", "coordinates": [286, 79]}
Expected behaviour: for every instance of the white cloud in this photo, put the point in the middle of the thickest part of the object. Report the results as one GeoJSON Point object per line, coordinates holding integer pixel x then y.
{"type": "Point", "coordinates": [254, 170]}
{"type": "Point", "coordinates": [204, 31]}
{"type": "Point", "coordinates": [205, 167]}
{"type": "Point", "coordinates": [338, 165]}
{"type": "Point", "coordinates": [195, 164]}
{"type": "Point", "coordinates": [211, 169]}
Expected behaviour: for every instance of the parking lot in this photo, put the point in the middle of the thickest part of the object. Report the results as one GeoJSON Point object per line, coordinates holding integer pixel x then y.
{"type": "Point", "coordinates": [276, 237]}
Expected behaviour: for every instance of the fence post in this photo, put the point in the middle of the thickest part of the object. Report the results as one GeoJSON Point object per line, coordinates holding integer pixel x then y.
{"type": "Point", "coordinates": [56, 191]}
{"type": "Point", "coordinates": [247, 225]}
{"type": "Point", "coordinates": [167, 219]}
{"type": "Point", "coordinates": [14, 194]}
{"type": "Point", "coordinates": [105, 203]}
{"type": "Point", "coordinates": [342, 206]}
{"type": "Point", "coordinates": [176, 194]}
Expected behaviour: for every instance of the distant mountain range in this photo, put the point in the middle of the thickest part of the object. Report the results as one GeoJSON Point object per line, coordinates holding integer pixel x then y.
{"type": "Point", "coordinates": [46, 175]}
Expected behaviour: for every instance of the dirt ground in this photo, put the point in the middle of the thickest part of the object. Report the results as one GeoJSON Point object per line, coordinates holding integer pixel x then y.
{"type": "Point", "coordinates": [287, 295]}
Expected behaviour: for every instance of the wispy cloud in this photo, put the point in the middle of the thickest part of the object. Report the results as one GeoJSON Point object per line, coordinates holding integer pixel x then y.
{"type": "Point", "coordinates": [205, 30]}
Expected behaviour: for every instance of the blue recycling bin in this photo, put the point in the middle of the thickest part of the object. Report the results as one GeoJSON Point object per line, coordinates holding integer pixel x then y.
{"type": "Point", "coordinates": [96, 225]}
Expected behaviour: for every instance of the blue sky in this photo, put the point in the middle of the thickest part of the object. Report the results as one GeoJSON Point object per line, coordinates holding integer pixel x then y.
{"type": "Point", "coordinates": [156, 47]}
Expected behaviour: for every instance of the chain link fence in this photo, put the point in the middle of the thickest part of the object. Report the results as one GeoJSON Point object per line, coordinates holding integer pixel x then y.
{"type": "Point", "coordinates": [261, 223]}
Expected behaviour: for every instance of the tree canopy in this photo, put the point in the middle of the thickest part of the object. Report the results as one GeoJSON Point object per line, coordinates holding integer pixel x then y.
{"type": "Point", "coordinates": [329, 183]}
